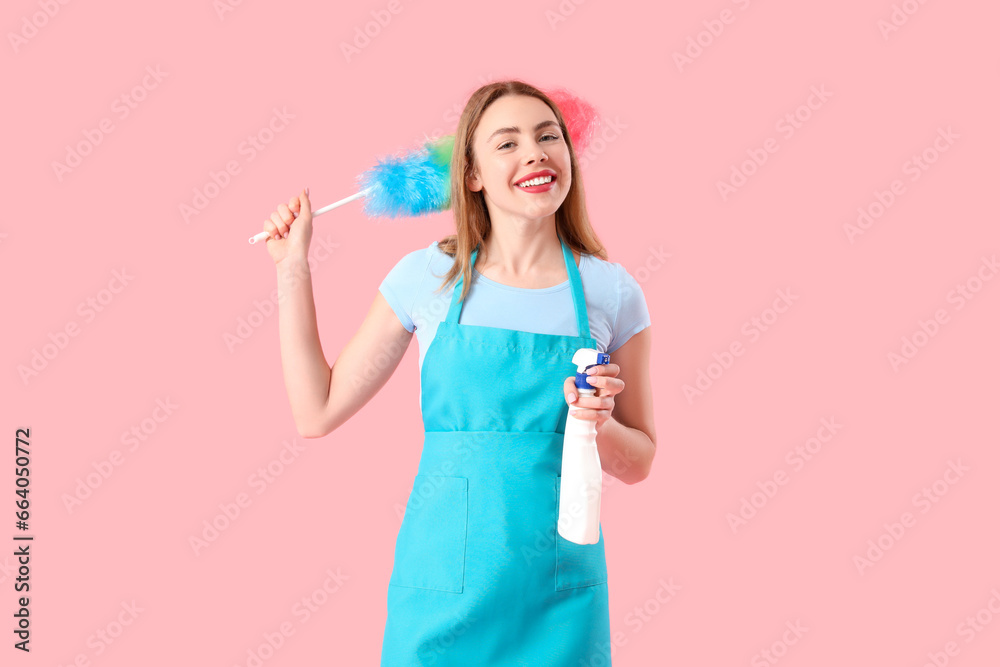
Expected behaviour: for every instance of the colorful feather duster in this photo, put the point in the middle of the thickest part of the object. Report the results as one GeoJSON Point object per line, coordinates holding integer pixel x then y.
{"type": "Point", "coordinates": [419, 182]}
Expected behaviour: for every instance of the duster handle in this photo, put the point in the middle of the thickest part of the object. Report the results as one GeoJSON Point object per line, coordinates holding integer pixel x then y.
{"type": "Point", "coordinates": [329, 207]}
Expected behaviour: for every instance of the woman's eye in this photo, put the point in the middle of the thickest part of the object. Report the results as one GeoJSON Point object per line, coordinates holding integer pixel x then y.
{"type": "Point", "coordinates": [547, 136]}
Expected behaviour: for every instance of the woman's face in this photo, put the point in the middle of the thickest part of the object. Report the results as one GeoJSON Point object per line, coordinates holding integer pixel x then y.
{"type": "Point", "coordinates": [518, 136]}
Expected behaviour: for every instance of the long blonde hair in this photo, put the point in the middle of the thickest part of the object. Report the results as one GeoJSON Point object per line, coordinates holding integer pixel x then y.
{"type": "Point", "coordinates": [472, 219]}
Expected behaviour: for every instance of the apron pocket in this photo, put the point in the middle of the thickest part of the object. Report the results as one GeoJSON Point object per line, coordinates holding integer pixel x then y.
{"type": "Point", "coordinates": [578, 565]}
{"type": "Point", "coordinates": [430, 547]}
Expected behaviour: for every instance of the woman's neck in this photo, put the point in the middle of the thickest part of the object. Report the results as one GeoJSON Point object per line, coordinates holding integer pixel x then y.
{"type": "Point", "coordinates": [522, 257]}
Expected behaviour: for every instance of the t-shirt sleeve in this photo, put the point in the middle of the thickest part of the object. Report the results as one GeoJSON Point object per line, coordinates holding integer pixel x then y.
{"type": "Point", "coordinates": [402, 284]}
{"type": "Point", "coordinates": [632, 315]}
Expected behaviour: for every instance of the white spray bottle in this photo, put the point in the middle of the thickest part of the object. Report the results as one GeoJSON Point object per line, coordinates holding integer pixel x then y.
{"type": "Point", "coordinates": [580, 488]}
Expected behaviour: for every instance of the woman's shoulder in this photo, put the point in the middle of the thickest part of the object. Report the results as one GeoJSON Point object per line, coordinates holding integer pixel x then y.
{"type": "Point", "coordinates": [609, 270]}
{"type": "Point", "coordinates": [610, 283]}
{"type": "Point", "coordinates": [605, 274]}
{"type": "Point", "coordinates": [438, 261]}
{"type": "Point", "coordinates": [419, 258]}
{"type": "Point", "coordinates": [597, 265]}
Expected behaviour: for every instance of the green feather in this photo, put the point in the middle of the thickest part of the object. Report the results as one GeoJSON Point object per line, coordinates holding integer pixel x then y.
{"type": "Point", "coordinates": [440, 149]}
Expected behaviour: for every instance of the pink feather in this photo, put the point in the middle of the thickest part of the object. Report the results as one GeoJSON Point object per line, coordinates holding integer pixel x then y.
{"type": "Point", "coordinates": [581, 118]}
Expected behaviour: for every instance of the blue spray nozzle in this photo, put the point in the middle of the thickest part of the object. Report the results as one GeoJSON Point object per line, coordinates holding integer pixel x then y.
{"type": "Point", "coordinates": [584, 359]}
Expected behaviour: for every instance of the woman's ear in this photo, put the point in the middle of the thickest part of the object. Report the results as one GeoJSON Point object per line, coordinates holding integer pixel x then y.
{"type": "Point", "coordinates": [473, 182]}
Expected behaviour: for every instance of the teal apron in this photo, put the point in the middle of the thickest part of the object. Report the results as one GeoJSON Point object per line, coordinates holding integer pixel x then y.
{"type": "Point", "coordinates": [480, 574]}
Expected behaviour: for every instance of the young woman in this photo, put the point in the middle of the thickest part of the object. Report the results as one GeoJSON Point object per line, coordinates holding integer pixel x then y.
{"type": "Point", "coordinates": [480, 575]}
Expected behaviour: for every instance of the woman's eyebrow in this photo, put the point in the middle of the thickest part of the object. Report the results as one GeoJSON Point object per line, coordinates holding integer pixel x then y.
{"type": "Point", "coordinates": [517, 130]}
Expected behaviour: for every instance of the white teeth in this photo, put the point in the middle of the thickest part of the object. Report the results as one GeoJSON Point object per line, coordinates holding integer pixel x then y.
{"type": "Point", "coordinates": [535, 181]}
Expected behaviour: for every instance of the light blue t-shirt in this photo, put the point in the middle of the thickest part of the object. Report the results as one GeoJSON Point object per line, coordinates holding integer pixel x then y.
{"type": "Point", "coordinates": [616, 306]}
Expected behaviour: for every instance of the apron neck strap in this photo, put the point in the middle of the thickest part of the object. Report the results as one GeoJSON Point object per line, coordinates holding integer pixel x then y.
{"type": "Point", "coordinates": [576, 287]}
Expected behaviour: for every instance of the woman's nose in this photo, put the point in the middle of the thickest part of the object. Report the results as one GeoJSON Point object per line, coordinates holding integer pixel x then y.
{"type": "Point", "coordinates": [537, 154]}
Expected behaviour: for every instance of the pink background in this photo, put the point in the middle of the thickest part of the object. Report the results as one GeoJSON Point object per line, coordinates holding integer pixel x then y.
{"type": "Point", "coordinates": [652, 189]}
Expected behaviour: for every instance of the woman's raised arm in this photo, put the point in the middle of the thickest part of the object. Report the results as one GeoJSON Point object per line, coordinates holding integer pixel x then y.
{"type": "Point", "coordinates": [324, 397]}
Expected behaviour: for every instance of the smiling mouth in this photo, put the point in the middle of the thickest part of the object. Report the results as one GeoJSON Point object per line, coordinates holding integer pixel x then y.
{"type": "Point", "coordinates": [540, 180]}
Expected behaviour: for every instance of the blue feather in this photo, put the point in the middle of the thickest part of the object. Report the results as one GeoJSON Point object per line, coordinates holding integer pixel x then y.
{"type": "Point", "coordinates": [411, 185]}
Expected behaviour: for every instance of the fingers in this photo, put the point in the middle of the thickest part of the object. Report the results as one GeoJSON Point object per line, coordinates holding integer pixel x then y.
{"type": "Point", "coordinates": [569, 389]}
{"type": "Point", "coordinates": [588, 407]}
{"type": "Point", "coordinates": [606, 385]}
{"type": "Point", "coordinates": [277, 225]}
{"type": "Point", "coordinates": [604, 388]}
{"type": "Point", "coordinates": [604, 379]}
{"type": "Point", "coordinates": [584, 410]}
{"type": "Point", "coordinates": [588, 403]}
{"type": "Point", "coordinates": [282, 217]}
{"type": "Point", "coordinates": [271, 227]}
{"type": "Point", "coordinates": [611, 370]}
